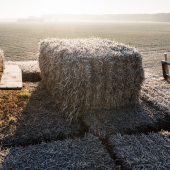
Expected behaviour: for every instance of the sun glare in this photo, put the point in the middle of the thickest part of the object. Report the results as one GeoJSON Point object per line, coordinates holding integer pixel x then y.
{"type": "Point", "coordinates": [60, 7]}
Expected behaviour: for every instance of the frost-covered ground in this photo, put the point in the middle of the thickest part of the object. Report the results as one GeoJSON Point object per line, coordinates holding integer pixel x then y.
{"type": "Point", "coordinates": [129, 138]}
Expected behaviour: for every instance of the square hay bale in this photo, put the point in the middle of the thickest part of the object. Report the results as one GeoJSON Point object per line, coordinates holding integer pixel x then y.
{"type": "Point", "coordinates": [30, 70]}
{"type": "Point", "coordinates": [90, 74]}
{"type": "Point", "coordinates": [85, 153]}
{"type": "Point", "coordinates": [2, 67]}
{"type": "Point", "coordinates": [156, 91]}
{"type": "Point", "coordinates": [141, 151]}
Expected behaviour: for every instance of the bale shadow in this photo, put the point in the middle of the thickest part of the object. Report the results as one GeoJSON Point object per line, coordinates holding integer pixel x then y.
{"type": "Point", "coordinates": [40, 121]}
{"type": "Point", "coordinates": [144, 117]}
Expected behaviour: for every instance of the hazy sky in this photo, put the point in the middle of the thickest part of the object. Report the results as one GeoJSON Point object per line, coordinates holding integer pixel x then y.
{"type": "Point", "coordinates": [25, 8]}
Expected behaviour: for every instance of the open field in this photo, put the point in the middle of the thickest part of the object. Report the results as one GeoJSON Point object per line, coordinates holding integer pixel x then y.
{"type": "Point", "coordinates": [20, 41]}
{"type": "Point", "coordinates": [33, 134]}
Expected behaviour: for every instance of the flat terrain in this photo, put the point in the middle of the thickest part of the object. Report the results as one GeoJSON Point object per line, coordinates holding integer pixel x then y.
{"type": "Point", "coordinates": [34, 135]}
{"type": "Point", "coordinates": [20, 41]}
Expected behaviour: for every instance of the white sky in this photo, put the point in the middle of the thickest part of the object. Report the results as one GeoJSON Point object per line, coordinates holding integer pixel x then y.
{"type": "Point", "coordinates": [26, 8]}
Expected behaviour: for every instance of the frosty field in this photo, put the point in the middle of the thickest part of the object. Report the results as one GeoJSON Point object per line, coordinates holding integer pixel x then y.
{"type": "Point", "coordinates": [20, 41]}
{"type": "Point", "coordinates": [35, 135]}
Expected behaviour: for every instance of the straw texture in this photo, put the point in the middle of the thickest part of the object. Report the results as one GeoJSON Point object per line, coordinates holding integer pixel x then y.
{"type": "Point", "coordinates": [30, 70]}
{"type": "Point", "coordinates": [141, 151]}
{"type": "Point", "coordinates": [85, 153]}
{"type": "Point", "coordinates": [90, 74]}
{"type": "Point", "coordinates": [157, 92]}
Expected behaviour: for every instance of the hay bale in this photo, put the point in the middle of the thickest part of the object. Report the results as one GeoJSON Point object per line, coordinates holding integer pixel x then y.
{"type": "Point", "coordinates": [85, 153]}
{"type": "Point", "coordinates": [141, 151]}
{"type": "Point", "coordinates": [90, 74]}
{"type": "Point", "coordinates": [2, 67]}
{"type": "Point", "coordinates": [30, 70]}
{"type": "Point", "coordinates": [156, 91]}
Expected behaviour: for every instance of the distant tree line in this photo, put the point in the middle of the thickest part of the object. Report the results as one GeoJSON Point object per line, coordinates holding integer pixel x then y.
{"type": "Point", "coordinates": [160, 17]}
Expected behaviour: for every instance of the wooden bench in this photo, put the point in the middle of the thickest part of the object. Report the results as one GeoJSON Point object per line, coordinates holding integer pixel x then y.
{"type": "Point", "coordinates": [11, 78]}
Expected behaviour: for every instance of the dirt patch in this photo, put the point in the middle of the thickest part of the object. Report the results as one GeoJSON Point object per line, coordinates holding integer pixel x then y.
{"type": "Point", "coordinates": [85, 153]}
{"type": "Point", "coordinates": [11, 107]}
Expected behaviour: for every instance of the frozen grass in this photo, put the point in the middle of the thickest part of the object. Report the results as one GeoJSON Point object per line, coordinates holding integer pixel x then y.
{"type": "Point", "coordinates": [141, 151]}
{"type": "Point", "coordinates": [85, 153]}
{"type": "Point", "coordinates": [156, 91]}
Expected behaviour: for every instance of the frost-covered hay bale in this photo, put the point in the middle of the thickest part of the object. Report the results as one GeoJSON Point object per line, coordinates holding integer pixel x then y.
{"type": "Point", "coordinates": [141, 151]}
{"type": "Point", "coordinates": [30, 70]}
{"type": "Point", "coordinates": [156, 91]}
{"type": "Point", "coordinates": [90, 74]}
{"type": "Point", "coordinates": [85, 153]}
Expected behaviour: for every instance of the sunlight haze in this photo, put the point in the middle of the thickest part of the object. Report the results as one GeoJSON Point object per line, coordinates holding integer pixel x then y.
{"type": "Point", "coordinates": [26, 8]}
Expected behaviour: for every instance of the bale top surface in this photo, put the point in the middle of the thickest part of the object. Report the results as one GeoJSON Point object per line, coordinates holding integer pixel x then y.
{"type": "Point", "coordinates": [26, 66]}
{"type": "Point", "coordinates": [142, 151]}
{"type": "Point", "coordinates": [93, 47]}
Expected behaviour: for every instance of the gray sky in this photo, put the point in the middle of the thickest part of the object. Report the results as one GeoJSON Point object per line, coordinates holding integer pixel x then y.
{"type": "Point", "coordinates": [26, 8]}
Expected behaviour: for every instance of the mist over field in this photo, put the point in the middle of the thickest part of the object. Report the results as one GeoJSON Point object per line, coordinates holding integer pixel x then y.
{"type": "Point", "coordinates": [161, 17]}
{"type": "Point", "coordinates": [20, 40]}
{"type": "Point", "coordinates": [82, 85]}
